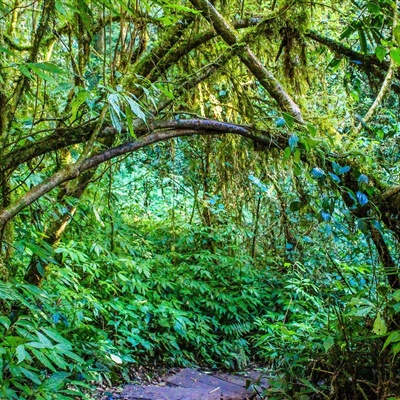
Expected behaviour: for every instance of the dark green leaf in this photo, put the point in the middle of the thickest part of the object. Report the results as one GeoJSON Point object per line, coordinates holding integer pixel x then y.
{"type": "Point", "coordinates": [363, 226]}
{"type": "Point", "coordinates": [362, 38]}
{"type": "Point", "coordinates": [295, 206]}
{"type": "Point", "coordinates": [373, 8]}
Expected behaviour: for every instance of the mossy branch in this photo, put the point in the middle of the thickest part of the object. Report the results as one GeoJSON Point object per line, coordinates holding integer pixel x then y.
{"type": "Point", "coordinates": [243, 51]}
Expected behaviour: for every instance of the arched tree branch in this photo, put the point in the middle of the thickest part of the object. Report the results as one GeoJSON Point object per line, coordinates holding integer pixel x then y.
{"type": "Point", "coordinates": [162, 132]}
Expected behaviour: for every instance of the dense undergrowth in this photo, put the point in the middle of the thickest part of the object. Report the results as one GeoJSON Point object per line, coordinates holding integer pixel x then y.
{"type": "Point", "coordinates": [140, 279]}
{"type": "Point", "coordinates": [191, 295]}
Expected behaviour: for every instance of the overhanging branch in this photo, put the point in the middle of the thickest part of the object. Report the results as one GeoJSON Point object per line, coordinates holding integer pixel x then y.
{"type": "Point", "coordinates": [243, 51]}
{"type": "Point", "coordinates": [162, 132]}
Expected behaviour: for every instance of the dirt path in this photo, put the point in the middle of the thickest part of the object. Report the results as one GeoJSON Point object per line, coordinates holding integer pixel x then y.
{"type": "Point", "coordinates": [189, 384]}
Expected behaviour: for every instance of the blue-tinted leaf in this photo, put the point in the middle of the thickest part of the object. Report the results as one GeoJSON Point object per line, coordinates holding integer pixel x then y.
{"type": "Point", "coordinates": [377, 225]}
{"type": "Point", "coordinates": [289, 246]}
{"type": "Point", "coordinates": [327, 228]}
{"type": "Point", "coordinates": [334, 177]}
{"type": "Point", "coordinates": [344, 169]}
{"type": "Point", "coordinates": [336, 167]}
{"type": "Point", "coordinates": [362, 198]}
{"type": "Point", "coordinates": [363, 179]}
{"type": "Point", "coordinates": [280, 122]}
{"type": "Point", "coordinates": [325, 215]}
{"type": "Point", "coordinates": [293, 140]}
{"type": "Point", "coordinates": [317, 173]}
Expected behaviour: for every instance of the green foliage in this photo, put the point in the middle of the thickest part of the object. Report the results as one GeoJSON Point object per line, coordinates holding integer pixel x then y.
{"type": "Point", "coordinates": [200, 251]}
{"type": "Point", "coordinates": [36, 361]}
{"type": "Point", "coordinates": [171, 305]}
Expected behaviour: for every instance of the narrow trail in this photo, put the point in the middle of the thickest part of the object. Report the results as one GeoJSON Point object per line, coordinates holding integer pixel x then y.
{"type": "Point", "coordinates": [190, 384]}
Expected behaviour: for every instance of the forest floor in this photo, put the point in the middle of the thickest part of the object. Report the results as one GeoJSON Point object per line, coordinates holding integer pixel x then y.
{"type": "Point", "coordinates": [191, 384]}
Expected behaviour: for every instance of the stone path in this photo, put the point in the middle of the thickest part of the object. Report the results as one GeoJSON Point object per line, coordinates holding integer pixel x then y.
{"type": "Point", "coordinates": [189, 384]}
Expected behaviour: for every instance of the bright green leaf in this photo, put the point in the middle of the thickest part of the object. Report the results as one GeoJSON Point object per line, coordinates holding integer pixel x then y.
{"type": "Point", "coordinates": [396, 34]}
{"type": "Point", "coordinates": [380, 327]}
{"type": "Point", "coordinates": [395, 55]}
{"type": "Point", "coordinates": [380, 52]}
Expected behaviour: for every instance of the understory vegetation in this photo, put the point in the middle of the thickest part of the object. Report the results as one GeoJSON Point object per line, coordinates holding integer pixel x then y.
{"type": "Point", "coordinates": [196, 183]}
